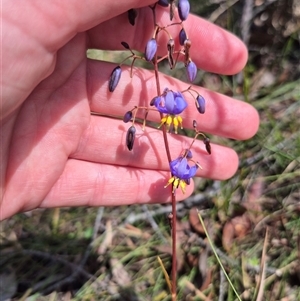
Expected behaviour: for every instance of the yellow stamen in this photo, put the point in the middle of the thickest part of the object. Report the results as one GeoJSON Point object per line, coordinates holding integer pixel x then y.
{"type": "Point", "coordinates": [182, 186]}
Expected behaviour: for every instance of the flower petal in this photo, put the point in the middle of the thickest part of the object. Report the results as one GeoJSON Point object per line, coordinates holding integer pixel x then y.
{"type": "Point", "coordinates": [170, 102]}
{"type": "Point", "coordinates": [180, 103]}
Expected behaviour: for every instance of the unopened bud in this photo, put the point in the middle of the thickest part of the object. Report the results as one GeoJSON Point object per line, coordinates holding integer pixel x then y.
{"type": "Point", "coordinates": [183, 9]}
{"type": "Point", "coordinates": [200, 104]}
{"type": "Point", "coordinates": [207, 145]}
{"type": "Point", "coordinates": [150, 50]}
{"type": "Point", "coordinates": [132, 14]}
{"type": "Point", "coordinates": [130, 136]}
{"type": "Point", "coordinates": [164, 3]}
{"type": "Point", "coordinates": [191, 70]}
{"type": "Point", "coordinates": [114, 78]}
{"type": "Point", "coordinates": [182, 37]}
{"type": "Point", "coordinates": [127, 117]}
{"type": "Point", "coordinates": [125, 45]}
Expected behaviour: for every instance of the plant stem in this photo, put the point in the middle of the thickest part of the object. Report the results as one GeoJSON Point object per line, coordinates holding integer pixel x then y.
{"type": "Point", "coordinates": [165, 137]}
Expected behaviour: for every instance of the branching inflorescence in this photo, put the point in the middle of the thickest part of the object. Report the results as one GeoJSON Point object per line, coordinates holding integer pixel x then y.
{"type": "Point", "coordinates": [169, 103]}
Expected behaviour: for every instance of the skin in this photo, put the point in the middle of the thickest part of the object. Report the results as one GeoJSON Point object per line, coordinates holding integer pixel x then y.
{"type": "Point", "coordinates": [54, 153]}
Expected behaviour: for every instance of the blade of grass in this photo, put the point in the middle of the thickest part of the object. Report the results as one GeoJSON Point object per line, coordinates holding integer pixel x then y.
{"type": "Point", "coordinates": [217, 257]}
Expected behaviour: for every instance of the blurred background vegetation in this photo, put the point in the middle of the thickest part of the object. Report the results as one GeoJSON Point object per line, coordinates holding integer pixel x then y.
{"type": "Point", "coordinates": [110, 253]}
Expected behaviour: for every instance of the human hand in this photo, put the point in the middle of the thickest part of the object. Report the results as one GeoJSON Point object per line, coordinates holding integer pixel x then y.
{"type": "Point", "coordinates": [54, 153]}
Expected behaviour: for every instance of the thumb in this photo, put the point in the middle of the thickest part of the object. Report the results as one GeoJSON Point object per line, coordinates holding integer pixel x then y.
{"type": "Point", "coordinates": [33, 31]}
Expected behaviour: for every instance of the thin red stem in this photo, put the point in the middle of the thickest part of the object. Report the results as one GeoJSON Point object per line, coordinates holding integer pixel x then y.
{"type": "Point", "coordinates": [165, 137]}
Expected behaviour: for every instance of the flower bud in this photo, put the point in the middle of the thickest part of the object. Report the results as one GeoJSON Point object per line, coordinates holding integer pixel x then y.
{"type": "Point", "coordinates": [164, 3]}
{"type": "Point", "coordinates": [127, 117]}
{"type": "Point", "coordinates": [155, 100]}
{"type": "Point", "coordinates": [191, 71]}
{"type": "Point", "coordinates": [200, 104]}
{"type": "Point", "coordinates": [188, 154]}
{"type": "Point", "coordinates": [207, 145]}
{"type": "Point", "coordinates": [150, 50]}
{"type": "Point", "coordinates": [130, 137]}
{"type": "Point", "coordinates": [182, 37]}
{"type": "Point", "coordinates": [114, 78]}
{"type": "Point", "coordinates": [125, 45]}
{"type": "Point", "coordinates": [132, 14]}
{"type": "Point", "coordinates": [183, 9]}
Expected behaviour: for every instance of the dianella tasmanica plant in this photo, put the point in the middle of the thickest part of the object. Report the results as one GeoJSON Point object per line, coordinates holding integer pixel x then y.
{"type": "Point", "coordinates": [167, 102]}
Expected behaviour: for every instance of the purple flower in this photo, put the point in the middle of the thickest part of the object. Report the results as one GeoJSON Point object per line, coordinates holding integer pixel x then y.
{"type": "Point", "coordinates": [200, 104]}
{"type": "Point", "coordinates": [181, 169]}
{"type": "Point", "coordinates": [182, 37]}
{"type": "Point", "coordinates": [191, 71]}
{"type": "Point", "coordinates": [150, 50]}
{"type": "Point", "coordinates": [114, 78]}
{"type": "Point", "coordinates": [170, 103]}
{"type": "Point", "coordinates": [183, 9]}
{"type": "Point", "coordinates": [164, 3]}
{"type": "Point", "coordinates": [181, 173]}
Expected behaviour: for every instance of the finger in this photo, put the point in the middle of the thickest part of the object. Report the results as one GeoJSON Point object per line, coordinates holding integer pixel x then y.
{"type": "Point", "coordinates": [92, 184]}
{"type": "Point", "coordinates": [149, 150]}
{"type": "Point", "coordinates": [213, 48]}
{"type": "Point", "coordinates": [33, 31]}
{"type": "Point", "coordinates": [222, 114]}
{"type": "Point", "coordinates": [58, 21]}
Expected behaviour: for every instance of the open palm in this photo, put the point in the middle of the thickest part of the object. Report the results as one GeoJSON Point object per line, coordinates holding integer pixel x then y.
{"type": "Point", "coordinates": [54, 153]}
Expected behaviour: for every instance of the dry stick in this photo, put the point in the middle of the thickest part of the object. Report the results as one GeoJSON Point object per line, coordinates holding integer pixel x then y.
{"type": "Point", "coordinates": [261, 282]}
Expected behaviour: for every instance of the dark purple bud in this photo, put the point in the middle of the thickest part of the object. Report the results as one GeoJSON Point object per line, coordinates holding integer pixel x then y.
{"type": "Point", "coordinates": [164, 3]}
{"type": "Point", "coordinates": [207, 145]}
{"type": "Point", "coordinates": [200, 104]}
{"type": "Point", "coordinates": [114, 78]}
{"type": "Point", "coordinates": [132, 14]}
{"type": "Point", "coordinates": [127, 117]}
{"type": "Point", "coordinates": [154, 100]}
{"type": "Point", "coordinates": [182, 37]}
{"type": "Point", "coordinates": [183, 9]}
{"type": "Point", "coordinates": [130, 137]}
{"type": "Point", "coordinates": [150, 50]}
{"type": "Point", "coordinates": [125, 45]}
{"type": "Point", "coordinates": [191, 71]}
{"type": "Point", "coordinates": [188, 154]}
